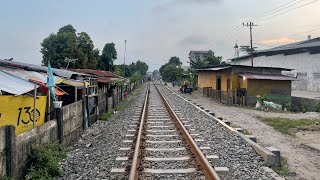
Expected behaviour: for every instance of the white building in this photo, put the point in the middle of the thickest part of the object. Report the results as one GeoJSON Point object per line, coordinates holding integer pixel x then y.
{"type": "Point", "coordinates": [199, 55]}
{"type": "Point", "coordinates": [303, 57]}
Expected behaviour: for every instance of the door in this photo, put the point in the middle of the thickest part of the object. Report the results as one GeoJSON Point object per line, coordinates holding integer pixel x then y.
{"type": "Point", "coordinates": [218, 85]}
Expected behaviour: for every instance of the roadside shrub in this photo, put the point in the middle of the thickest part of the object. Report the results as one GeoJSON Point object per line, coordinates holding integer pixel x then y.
{"type": "Point", "coordinates": [305, 108]}
{"type": "Point", "coordinates": [261, 99]}
{"type": "Point", "coordinates": [318, 107]}
{"type": "Point", "coordinates": [106, 116]}
{"type": "Point", "coordinates": [45, 161]}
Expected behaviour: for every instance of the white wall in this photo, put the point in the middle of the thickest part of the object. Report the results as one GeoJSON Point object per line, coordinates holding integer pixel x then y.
{"type": "Point", "coordinates": [306, 67]}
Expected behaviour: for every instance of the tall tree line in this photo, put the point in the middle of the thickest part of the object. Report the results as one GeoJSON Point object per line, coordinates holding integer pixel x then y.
{"type": "Point", "coordinates": [68, 44]}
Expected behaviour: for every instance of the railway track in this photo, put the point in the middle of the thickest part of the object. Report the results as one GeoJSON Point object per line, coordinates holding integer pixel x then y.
{"type": "Point", "coordinates": [161, 145]}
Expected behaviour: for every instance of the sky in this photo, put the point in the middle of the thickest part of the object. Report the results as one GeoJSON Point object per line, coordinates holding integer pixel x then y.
{"type": "Point", "coordinates": [155, 30]}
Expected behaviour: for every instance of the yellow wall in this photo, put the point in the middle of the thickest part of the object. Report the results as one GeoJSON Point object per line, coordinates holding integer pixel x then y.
{"type": "Point", "coordinates": [260, 87]}
{"type": "Point", "coordinates": [254, 87]}
{"type": "Point", "coordinates": [206, 79]}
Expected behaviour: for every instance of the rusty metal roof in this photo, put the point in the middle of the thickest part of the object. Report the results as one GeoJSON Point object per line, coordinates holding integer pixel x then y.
{"type": "Point", "coordinates": [97, 72]}
{"type": "Point", "coordinates": [267, 77]}
{"type": "Point", "coordinates": [103, 76]}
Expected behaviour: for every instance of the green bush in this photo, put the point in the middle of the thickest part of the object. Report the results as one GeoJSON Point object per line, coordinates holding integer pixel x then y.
{"type": "Point", "coordinates": [106, 116]}
{"type": "Point", "coordinates": [45, 161]}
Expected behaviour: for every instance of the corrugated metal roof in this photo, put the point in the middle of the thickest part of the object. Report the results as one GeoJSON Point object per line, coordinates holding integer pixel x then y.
{"type": "Point", "coordinates": [315, 42]}
{"type": "Point", "coordinates": [33, 67]}
{"type": "Point", "coordinates": [29, 75]}
{"type": "Point", "coordinates": [214, 68]}
{"type": "Point", "coordinates": [14, 85]}
{"type": "Point", "coordinates": [98, 73]}
{"type": "Point", "coordinates": [267, 77]}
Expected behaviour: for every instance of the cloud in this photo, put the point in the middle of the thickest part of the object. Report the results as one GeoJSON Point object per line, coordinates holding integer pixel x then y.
{"type": "Point", "coordinates": [194, 40]}
{"type": "Point", "coordinates": [163, 8]}
{"type": "Point", "coordinates": [197, 1]}
{"type": "Point", "coordinates": [282, 40]}
{"type": "Point", "coordinates": [159, 9]}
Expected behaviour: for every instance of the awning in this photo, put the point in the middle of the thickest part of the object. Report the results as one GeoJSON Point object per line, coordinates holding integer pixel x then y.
{"type": "Point", "coordinates": [44, 89]}
{"type": "Point", "coordinates": [267, 77]}
{"type": "Point", "coordinates": [14, 85]}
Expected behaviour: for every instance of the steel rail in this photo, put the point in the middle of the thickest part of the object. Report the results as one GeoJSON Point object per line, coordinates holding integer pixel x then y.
{"type": "Point", "coordinates": [134, 170]}
{"type": "Point", "coordinates": [206, 167]}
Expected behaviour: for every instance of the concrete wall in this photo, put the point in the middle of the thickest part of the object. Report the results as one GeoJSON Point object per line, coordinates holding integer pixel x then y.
{"type": "Point", "coordinates": [2, 151]}
{"type": "Point", "coordinates": [46, 133]}
{"type": "Point", "coordinates": [102, 104]}
{"type": "Point", "coordinates": [72, 128]}
{"type": "Point", "coordinates": [306, 66]}
{"type": "Point", "coordinates": [72, 122]}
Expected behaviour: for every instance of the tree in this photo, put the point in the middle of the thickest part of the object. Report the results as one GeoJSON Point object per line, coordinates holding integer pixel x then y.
{"type": "Point", "coordinates": [213, 60]}
{"type": "Point", "coordinates": [141, 68]}
{"type": "Point", "coordinates": [175, 61]}
{"type": "Point", "coordinates": [210, 60]}
{"type": "Point", "coordinates": [172, 70]}
{"type": "Point", "coordinates": [67, 44]}
{"type": "Point", "coordinates": [109, 54]}
{"type": "Point", "coordinates": [118, 69]}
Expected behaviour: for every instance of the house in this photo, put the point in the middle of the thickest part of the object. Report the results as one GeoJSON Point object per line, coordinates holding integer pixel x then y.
{"type": "Point", "coordinates": [104, 78]}
{"type": "Point", "coordinates": [303, 57]}
{"type": "Point", "coordinates": [71, 83]}
{"type": "Point", "coordinates": [200, 55]}
{"type": "Point", "coordinates": [238, 84]}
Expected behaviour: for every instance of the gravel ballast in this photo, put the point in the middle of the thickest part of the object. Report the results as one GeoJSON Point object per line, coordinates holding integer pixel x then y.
{"type": "Point", "coordinates": [234, 153]}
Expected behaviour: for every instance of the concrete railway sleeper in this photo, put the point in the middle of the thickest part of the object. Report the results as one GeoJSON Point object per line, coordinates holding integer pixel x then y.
{"type": "Point", "coordinates": [162, 146]}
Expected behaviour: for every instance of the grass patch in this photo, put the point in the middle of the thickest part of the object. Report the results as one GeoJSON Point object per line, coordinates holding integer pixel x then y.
{"type": "Point", "coordinates": [284, 169]}
{"type": "Point", "coordinates": [120, 106]}
{"type": "Point", "coordinates": [45, 161]}
{"type": "Point", "coordinates": [105, 116]}
{"type": "Point", "coordinates": [288, 126]}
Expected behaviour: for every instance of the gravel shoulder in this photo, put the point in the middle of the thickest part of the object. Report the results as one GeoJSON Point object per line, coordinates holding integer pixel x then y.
{"type": "Point", "coordinates": [93, 156]}
{"type": "Point", "coordinates": [304, 163]}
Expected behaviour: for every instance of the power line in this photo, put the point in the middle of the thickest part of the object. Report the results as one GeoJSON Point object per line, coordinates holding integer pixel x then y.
{"type": "Point", "coordinates": [284, 6]}
{"type": "Point", "coordinates": [230, 36]}
{"type": "Point", "coordinates": [303, 32]}
{"type": "Point", "coordinates": [286, 11]}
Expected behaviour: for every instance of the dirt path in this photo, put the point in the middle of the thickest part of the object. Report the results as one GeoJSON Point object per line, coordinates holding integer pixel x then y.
{"type": "Point", "coordinates": [304, 163]}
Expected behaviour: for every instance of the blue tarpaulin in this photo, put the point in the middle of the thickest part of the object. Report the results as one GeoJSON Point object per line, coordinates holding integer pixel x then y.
{"type": "Point", "coordinates": [50, 83]}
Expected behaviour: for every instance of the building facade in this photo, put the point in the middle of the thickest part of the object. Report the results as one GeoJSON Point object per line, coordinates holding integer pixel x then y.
{"type": "Point", "coordinates": [199, 55]}
{"type": "Point", "coordinates": [303, 57]}
{"type": "Point", "coordinates": [229, 81]}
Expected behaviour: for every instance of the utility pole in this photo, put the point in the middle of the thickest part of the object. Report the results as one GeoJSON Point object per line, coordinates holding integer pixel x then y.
{"type": "Point", "coordinates": [124, 58]}
{"type": "Point", "coordinates": [250, 25]}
